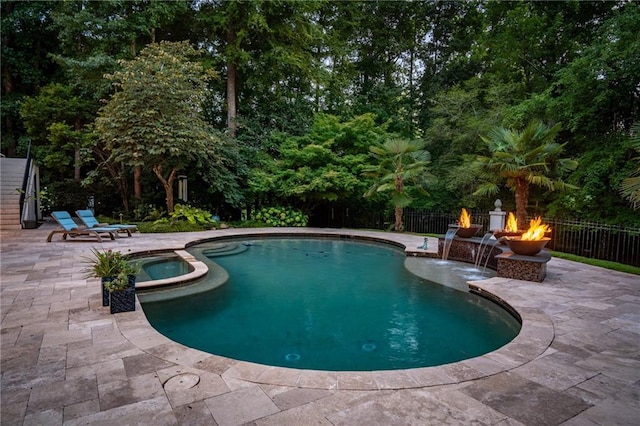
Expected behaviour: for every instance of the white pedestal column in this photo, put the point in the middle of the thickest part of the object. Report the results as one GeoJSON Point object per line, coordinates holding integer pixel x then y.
{"type": "Point", "coordinates": [497, 217]}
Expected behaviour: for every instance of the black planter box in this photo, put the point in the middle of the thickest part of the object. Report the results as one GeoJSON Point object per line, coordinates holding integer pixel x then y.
{"type": "Point", "coordinates": [105, 292]}
{"type": "Point", "coordinates": [124, 300]}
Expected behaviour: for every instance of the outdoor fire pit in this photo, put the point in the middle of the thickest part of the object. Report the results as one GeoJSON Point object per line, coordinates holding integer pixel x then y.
{"type": "Point", "coordinates": [466, 232]}
{"type": "Point", "coordinates": [531, 242]}
{"type": "Point", "coordinates": [465, 229]}
{"type": "Point", "coordinates": [526, 247]}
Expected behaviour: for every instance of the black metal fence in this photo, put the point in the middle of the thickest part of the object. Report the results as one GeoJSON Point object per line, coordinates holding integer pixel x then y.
{"type": "Point", "coordinates": [596, 240]}
{"type": "Point", "coordinates": [435, 222]}
{"type": "Point", "coordinates": [584, 238]}
{"type": "Point", "coordinates": [589, 239]}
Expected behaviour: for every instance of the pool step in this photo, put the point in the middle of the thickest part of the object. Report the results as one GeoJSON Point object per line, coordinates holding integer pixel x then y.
{"type": "Point", "coordinates": [224, 249]}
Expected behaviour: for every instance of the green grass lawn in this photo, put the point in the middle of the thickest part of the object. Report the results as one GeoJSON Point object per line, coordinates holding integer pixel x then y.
{"type": "Point", "coordinates": [621, 267]}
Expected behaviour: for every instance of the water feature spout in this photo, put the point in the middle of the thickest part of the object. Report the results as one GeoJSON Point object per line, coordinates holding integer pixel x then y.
{"type": "Point", "coordinates": [448, 239]}
{"type": "Point", "coordinates": [483, 245]}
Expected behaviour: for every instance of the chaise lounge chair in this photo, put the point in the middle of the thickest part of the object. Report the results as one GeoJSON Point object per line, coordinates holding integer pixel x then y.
{"type": "Point", "coordinates": [69, 227]}
{"type": "Point", "coordinates": [90, 221]}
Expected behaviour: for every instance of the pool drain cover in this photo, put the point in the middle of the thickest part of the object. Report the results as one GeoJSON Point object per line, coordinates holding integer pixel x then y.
{"type": "Point", "coordinates": [369, 347]}
{"type": "Point", "coordinates": [292, 357]}
{"type": "Point", "coordinates": [182, 382]}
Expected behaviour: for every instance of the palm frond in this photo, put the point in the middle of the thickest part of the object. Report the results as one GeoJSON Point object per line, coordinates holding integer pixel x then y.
{"type": "Point", "coordinates": [385, 187]}
{"type": "Point", "coordinates": [487, 188]}
{"type": "Point", "coordinates": [560, 185]}
{"type": "Point", "coordinates": [540, 180]}
{"type": "Point", "coordinates": [630, 187]}
{"type": "Point", "coordinates": [401, 199]}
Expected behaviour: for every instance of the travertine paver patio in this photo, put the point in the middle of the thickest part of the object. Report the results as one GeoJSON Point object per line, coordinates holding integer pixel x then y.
{"type": "Point", "coordinates": [66, 360]}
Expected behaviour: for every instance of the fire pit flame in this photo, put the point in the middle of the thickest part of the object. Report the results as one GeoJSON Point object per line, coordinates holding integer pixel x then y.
{"type": "Point", "coordinates": [536, 231]}
{"type": "Point", "coordinates": [465, 219]}
{"type": "Point", "coordinates": [512, 223]}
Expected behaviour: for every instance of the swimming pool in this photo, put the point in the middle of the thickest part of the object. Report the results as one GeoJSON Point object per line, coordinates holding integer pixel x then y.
{"type": "Point", "coordinates": [331, 305]}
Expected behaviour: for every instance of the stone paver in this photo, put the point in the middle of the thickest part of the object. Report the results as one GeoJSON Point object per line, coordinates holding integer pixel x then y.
{"type": "Point", "coordinates": [65, 360]}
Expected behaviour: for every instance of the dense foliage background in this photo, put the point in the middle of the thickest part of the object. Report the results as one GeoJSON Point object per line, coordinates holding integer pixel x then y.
{"type": "Point", "coordinates": [303, 89]}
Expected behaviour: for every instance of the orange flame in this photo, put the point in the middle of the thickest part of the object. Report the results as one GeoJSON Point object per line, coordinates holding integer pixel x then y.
{"type": "Point", "coordinates": [465, 219]}
{"type": "Point", "coordinates": [536, 230]}
{"type": "Point", "coordinates": [512, 223]}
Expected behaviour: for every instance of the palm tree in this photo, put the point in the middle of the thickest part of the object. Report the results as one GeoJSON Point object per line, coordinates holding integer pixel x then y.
{"type": "Point", "coordinates": [521, 159]}
{"type": "Point", "coordinates": [630, 187]}
{"type": "Point", "coordinates": [401, 167]}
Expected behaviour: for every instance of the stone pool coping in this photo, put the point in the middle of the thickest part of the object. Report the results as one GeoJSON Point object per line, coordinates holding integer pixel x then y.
{"type": "Point", "coordinates": [534, 339]}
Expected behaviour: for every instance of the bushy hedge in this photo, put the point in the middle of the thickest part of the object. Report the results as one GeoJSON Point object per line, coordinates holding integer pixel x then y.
{"type": "Point", "coordinates": [281, 216]}
{"type": "Point", "coordinates": [67, 195]}
{"type": "Point", "coordinates": [190, 214]}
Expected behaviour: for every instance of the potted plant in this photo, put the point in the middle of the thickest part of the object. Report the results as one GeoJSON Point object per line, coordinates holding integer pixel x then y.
{"type": "Point", "coordinates": [118, 279]}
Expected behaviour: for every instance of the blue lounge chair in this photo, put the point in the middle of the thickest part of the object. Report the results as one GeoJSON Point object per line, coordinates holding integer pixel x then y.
{"type": "Point", "coordinates": [69, 227]}
{"type": "Point", "coordinates": [90, 221]}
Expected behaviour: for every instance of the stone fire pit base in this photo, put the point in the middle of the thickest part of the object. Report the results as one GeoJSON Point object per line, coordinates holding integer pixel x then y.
{"type": "Point", "coordinates": [528, 268]}
{"type": "Point", "coordinates": [499, 257]}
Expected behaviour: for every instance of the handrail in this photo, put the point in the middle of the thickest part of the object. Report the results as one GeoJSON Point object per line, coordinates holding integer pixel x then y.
{"type": "Point", "coordinates": [25, 180]}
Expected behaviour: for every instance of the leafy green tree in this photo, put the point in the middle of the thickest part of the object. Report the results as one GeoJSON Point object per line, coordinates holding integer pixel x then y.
{"type": "Point", "coordinates": [270, 63]}
{"type": "Point", "coordinates": [459, 117]}
{"type": "Point", "coordinates": [371, 50]}
{"type": "Point", "coordinates": [94, 35]}
{"type": "Point", "coordinates": [28, 39]}
{"type": "Point", "coordinates": [601, 171]}
{"type": "Point", "coordinates": [443, 71]}
{"type": "Point", "coordinates": [630, 187]}
{"type": "Point", "coordinates": [324, 165]}
{"type": "Point", "coordinates": [154, 119]}
{"type": "Point", "coordinates": [55, 121]}
{"type": "Point", "coordinates": [401, 167]}
{"type": "Point", "coordinates": [597, 92]}
{"type": "Point", "coordinates": [521, 159]}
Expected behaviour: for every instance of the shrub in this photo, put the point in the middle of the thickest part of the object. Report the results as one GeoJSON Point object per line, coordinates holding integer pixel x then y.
{"type": "Point", "coordinates": [281, 216]}
{"type": "Point", "coordinates": [147, 212]}
{"type": "Point", "coordinates": [191, 215]}
{"type": "Point", "coordinates": [67, 195]}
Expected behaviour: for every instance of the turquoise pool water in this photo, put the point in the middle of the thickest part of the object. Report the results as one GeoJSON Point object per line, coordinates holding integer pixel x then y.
{"type": "Point", "coordinates": [332, 305]}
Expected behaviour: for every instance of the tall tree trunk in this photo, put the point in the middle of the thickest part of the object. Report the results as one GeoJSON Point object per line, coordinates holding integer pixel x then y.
{"type": "Point", "coordinates": [117, 175]}
{"type": "Point", "coordinates": [167, 184]}
{"type": "Point", "coordinates": [231, 99]}
{"type": "Point", "coordinates": [398, 226]}
{"type": "Point", "coordinates": [399, 186]}
{"type": "Point", "coordinates": [76, 165]}
{"type": "Point", "coordinates": [137, 170]}
{"type": "Point", "coordinates": [231, 85]}
{"type": "Point", "coordinates": [137, 187]}
{"type": "Point", "coordinates": [522, 199]}
{"type": "Point", "coordinates": [76, 154]}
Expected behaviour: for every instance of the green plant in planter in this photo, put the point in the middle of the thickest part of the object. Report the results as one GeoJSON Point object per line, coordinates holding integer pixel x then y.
{"type": "Point", "coordinates": [118, 279]}
{"type": "Point", "coordinates": [112, 265]}
{"type": "Point", "coordinates": [119, 282]}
